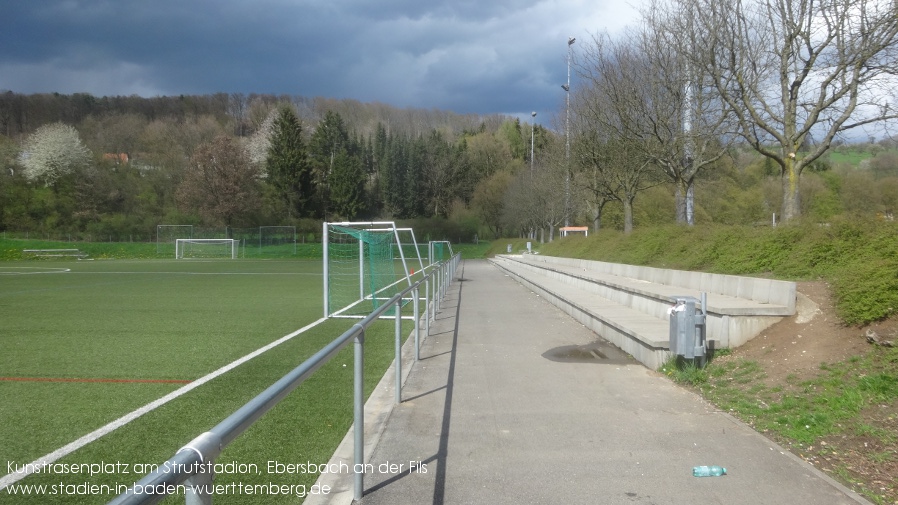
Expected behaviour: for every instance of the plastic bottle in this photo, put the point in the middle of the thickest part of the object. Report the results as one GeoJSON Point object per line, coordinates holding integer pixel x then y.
{"type": "Point", "coordinates": [709, 471]}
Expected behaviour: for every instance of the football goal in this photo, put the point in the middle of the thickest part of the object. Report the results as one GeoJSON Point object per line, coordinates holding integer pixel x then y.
{"type": "Point", "coordinates": [438, 250]}
{"type": "Point", "coordinates": [206, 248]}
{"type": "Point", "coordinates": [361, 267]}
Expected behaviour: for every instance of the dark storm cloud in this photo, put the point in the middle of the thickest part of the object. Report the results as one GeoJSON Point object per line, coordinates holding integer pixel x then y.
{"type": "Point", "coordinates": [468, 56]}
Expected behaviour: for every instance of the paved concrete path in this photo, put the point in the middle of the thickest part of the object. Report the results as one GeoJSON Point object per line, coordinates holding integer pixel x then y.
{"type": "Point", "coordinates": [514, 402]}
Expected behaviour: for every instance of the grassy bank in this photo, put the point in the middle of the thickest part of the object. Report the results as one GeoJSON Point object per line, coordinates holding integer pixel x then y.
{"type": "Point", "coordinates": [858, 258]}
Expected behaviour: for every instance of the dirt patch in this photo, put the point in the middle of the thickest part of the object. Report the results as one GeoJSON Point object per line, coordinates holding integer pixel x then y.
{"type": "Point", "coordinates": [793, 350]}
{"type": "Point", "coordinates": [795, 347]}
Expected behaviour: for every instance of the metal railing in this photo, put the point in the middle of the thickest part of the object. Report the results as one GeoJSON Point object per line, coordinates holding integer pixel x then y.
{"type": "Point", "coordinates": [189, 470]}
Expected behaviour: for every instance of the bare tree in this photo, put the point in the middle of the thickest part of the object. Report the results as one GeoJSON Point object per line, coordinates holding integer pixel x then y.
{"type": "Point", "coordinates": [551, 185]}
{"type": "Point", "coordinates": [592, 167]}
{"type": "Point", "coordinates": [614, 144]}
{"type": "Point", "coordinates": [534, 200]}
{"type": "Point", "coordinates": [114, 134]}
{"type": "Point", "coordinates": [613, 169]}
{"type": "Point", "coordinates": [689, 127]}
{"type": "Point", "coordinates": [237, 108]}
{"type": "Point", "coordinates": [792, 69]}
{"type": "Point", "coordinates": [220, 183]}
{"type": "Point", "coordinates": [52, 151]}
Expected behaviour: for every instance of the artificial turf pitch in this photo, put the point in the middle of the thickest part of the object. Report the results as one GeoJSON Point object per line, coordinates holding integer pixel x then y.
{"type": "Point", "coordinates": [85, 342]}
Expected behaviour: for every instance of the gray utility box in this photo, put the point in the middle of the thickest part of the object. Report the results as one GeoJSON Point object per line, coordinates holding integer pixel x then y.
{"type": "Point", "coordinates": [687, 327]}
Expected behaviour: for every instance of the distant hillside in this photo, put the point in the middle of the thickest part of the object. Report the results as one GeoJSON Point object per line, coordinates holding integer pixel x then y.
{"type": "Point", "coordinates": [22, 114]}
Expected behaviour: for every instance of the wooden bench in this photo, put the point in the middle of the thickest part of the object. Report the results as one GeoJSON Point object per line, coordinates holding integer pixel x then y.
{"type": "Point", "coordinates": [53, 253]}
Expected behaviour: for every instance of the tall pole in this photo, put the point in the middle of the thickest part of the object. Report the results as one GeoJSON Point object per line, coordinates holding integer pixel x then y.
{"type": "Point", "coordinates": [532, 127]}
{"type": "Point", "coordinates": [689, 146]}
{"type": "Point", "coordinates": [567, 137]}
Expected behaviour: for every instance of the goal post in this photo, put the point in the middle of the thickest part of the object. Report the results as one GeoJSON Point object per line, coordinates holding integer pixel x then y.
{"type": "Point", "coordinates": [409, 247]}
{"type": "Point", "coordinates": [361, 267]}
{"type": "Point", "coordinates": [206, 248]}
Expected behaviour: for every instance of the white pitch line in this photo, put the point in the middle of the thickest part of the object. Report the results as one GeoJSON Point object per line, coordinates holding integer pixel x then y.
{"type": "Point", "coordinates": [47, 459]}
{"type": "Point", "coordinates": [5, 270]}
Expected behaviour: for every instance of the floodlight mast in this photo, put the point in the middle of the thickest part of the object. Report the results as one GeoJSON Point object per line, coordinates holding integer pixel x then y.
{"type": "Point", "coordinates": [532, 128]}
{"type": "Point", "coordinates": [567, 137]}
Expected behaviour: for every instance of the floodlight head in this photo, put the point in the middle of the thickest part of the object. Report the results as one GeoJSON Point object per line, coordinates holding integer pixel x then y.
{"type": "Point", "coordinates": [565, 87]}
{"type": "Point", "coordinates": [571, 40]}
{"type": "Point", "coordinates": [533, 114]}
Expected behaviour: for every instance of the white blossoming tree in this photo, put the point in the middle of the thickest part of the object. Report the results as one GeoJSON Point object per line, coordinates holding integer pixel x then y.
{"type": "Point", "coordinates": [52, 151]}
{"type": "Point", "coordinates": [259, 143]}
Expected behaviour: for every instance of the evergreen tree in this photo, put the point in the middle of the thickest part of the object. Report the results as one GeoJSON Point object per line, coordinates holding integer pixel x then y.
{"type": "Point", "coordinates": [396, 161]}
{"type": "Point", "coordinates": [346, 186]}
{"type": "Point", "coordinates": [288, 165]}
{"type": "Point", "coordinates": [334, 163]}
{"type": "Point", "coordinates": [380, 143]}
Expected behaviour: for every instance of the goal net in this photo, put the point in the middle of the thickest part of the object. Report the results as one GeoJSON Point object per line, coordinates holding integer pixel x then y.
{"type": "Point", "coordinates": [277, 240]}
{"type": "Point", "coordinates": [364, 266]}
{"type": "Point", "coordinates": [206, 248]}
{"type": "Point", "coordinates": [409, 249]}
{"type": "Point", "coordinates": [438, 250]}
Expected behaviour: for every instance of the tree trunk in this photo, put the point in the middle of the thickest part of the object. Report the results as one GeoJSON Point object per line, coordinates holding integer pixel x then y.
{"type": "Point", "coordinates": [680, 200]}
{"type": "Point", "coordinates": [597, 218]}
{"type": "Point", "coordinates": [791, 200]}
{"type": "Point", "coordinates": [628, 215]}
{"type": "Point", "coordinates": [685, 201]}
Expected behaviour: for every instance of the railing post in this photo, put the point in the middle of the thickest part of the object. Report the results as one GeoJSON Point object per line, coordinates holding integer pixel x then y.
{"type": "Point", "coordinates": [358, 400]}
{"type": "Point", "coordinates": [326, 252]}
{"type": "Point", "coordinates": [415, 308]}
{"type": "Point", "coordinates": [427, 307]}
{"type": "Point", "coordinates": [437, 291]}
{"type": "Point", "coordinates": [197, 488]}
{"type": "Point", "coordinates": [398, 352]}
{"type": "Point", "coordinates": [444, 279]}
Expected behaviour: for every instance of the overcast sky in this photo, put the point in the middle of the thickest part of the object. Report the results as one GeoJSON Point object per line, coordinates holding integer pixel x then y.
{"type": "Point", "coordinates": [479, 56]}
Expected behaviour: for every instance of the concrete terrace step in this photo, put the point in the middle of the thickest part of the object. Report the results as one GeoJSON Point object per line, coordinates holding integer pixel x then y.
{"type": "Point", "coordinates": [631, 313]}
{"type": "Point", "coordinates": [642, 336]}
{"type": "Point", "coordinates": [718, 303]}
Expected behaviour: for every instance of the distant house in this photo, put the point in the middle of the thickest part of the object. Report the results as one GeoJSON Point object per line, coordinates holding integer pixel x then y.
{"type": "Point", "coordinates": [117, 158]}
